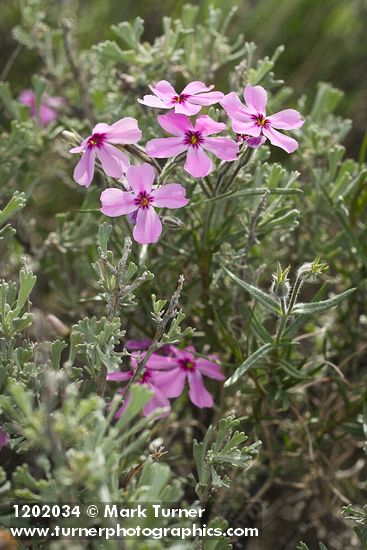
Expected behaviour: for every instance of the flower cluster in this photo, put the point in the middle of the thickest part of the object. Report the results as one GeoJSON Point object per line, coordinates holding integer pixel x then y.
{"type": "Point", "coordinates": [139, 197]}
{"type": "Point", "coordinates": [166, 376]}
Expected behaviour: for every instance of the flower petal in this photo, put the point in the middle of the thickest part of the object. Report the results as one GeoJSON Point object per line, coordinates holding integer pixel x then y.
{"type": "Point", "coordinates": [171, 383]}
{"type": "Point", "coordinates": [4, 438]}
{"type": "Point", "coordinates": [233, 106]}
{"type": "Point", "coordinates": [100, 128]}
{"type": "Point", "coordinates": [114, 162]}
{"type": "Point", "coordinates": [153, 101]}
{"type": "Point", "coordinates": [187, 108]}
{"type": "Point", "coordinates": [148, 226]}
{"type": "Point", "coordinates": [80, 147]}
{"type": "Point", "coordinates": [158, 362]}
{"type": "Point", "coordinates": [199, 395]}
{"type": "Point", "coordinates": [288, 119]}
{"type": "Point", "coordinates": [206, 99]}
{"type": "Point", "coordinates": [170, 195]}
{"type": "Point", "coordinates": [198, 164]}
{"type": "Point", "coordinates": [119, 376]}
{"type": "Point", "coordinates": [158, 401]}
{"type": "Point", "coordinates": [117, 203]}
{"type": "Point", "coordinates": [47, 115]}
{"type": "Point", "coordinates": [84, 170]}
{"type": "Point", "coordinates": [280, 140]}
{"type": "Point", "coordinates": [256, 98]}
{"type": "Point", "coordinates": [27, 97]}
{"type": "Point", "coordinates": [137, 345]}
{"type": "Point", "coordinates": [165, 147]}
{"type": "Point", "coordinates": [175, 124]}
{"type": "Point", "coordinates": [207, 125]}
{"type": "Point", "coordinates": [125, 130]}
{"type": "Point", "coordinates": [255, 142]}
{"type": "Point", "coordinates": [222, 147]}
{"type": "Point", "coordinates": [141, 177]}
{"type": "Point", "coordinates": [164, 90]}
{"type": "Point", "coordinates": [210, 369]}
{"type": "Point", "coordinates": [186, 354]}
{"type": "Point", "coordinates": [249, 128]}
{"type": "Point", "coordinates": [196, 87]}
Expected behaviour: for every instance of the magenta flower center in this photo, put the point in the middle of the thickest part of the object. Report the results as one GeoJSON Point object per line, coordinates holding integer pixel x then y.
{"type": "Point", "coordinates": [261, 120]}
{"type": "Point", "coordinates": [180, 98]}
{"type": "Point", "coordinates": [143, 200]}
{"type": "Point", "coordinates": [193, 138]}
{"type": "Point", "coordinates": [187, 364]}
{"type": "Point", "coordinates": [96, 140]}
{"type": "Point", "coordinates": [147, 377]}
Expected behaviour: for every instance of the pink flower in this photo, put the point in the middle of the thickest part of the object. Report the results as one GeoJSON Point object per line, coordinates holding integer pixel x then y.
{"type": "Point", "coordinates": [253, 121]}
{"type": "Point", "coordinates": [188, 102]}
{"type": "Point", "coordinates": [186, 366]}
{"type": "Point", "coordinates": [142, 198]}
{"type": "Point", "coordinates": [253, 142]}
{"type": "Point", "coordinates": [4, 438]}
{"type": "Point", "coordinates": [114, 162]}
{"type": "Point", "coordinates": [193, 139]}
{"type": "Point", "coordinates": [158, 400]}
{"type": "Point", "coordinates": [47, 112]}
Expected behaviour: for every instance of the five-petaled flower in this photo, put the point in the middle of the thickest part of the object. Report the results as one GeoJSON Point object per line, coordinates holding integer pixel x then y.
{"type": "Point", "coordinates": [252, 119]}
{"type": "Point", "coordinates": [184, 365]}
{"type": "Point", "coordinates": [188, 102]}
{"type": "Point", "coordinates": [143, 198]}
{"type": "Point", "coordinates": [47, 110]}
{"type": "Point", "coordinates": [158, 400]}
{"type": "Point", "coordinates": [114, 162]}
{"type": "Point", "coordinates": [193, 139]}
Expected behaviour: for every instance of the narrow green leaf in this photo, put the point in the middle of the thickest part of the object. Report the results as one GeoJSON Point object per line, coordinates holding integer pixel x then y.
{"type": "Point", "coordinates": [318, 307]}
{"type": "Point", "coordinates": [256, 293]}
{"type": "Point", "coordinates": [250, 362]}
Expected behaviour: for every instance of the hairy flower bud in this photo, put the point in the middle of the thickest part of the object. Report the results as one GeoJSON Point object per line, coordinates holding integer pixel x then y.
{"type": "Point", "coordinates": [310, 270]}
{"type": "Point", "coordinates": [280, 285]}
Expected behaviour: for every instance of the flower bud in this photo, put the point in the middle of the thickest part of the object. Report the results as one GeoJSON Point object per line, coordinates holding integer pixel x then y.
{"type": "Point", "coordinates": [280, 285]}
{"type": "Point", "coordinates": [172, 221]}
{"type": "Point", "coordinates": [310, 270]}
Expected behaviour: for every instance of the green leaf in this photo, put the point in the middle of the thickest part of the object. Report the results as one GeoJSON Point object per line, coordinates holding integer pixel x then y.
{"type": "Point", "coordinates": [26, 283]}
{"type": "Point", "coordinates": [250, 362]}
{"type": "Point", "coordinates": [104, 233]}
{"type": "Point", "coordinates": [17, 202]}
{"type": "Point", "coordinates": [256, 293]}
{"type": "Point", "coordinates": [318, 307]}
{"type": "Point", "coordinates": [130, 34]}
{"type": "Point", "coordinates": [139, 396]}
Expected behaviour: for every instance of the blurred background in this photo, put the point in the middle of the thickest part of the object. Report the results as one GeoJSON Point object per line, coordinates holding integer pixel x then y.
{"type": "Point", "coordinates": [325, 40]}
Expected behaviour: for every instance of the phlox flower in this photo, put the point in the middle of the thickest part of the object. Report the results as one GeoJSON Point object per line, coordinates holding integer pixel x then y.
{"type": "Point", "coordinates": [185, 366]}
{"type": "Point", "coordinates": [158, 400]}
{"type": "Point", "coordinates": [193, 139]}
{"type": "Point", "coordinates": [188, 102]}
{"type": "Point", "coordinates": [4, 438]}
{"type": "Point", "coordinates": [114, 162]}
{"type": "Point", "coordinates": [48, 106]}
{"type": "Point", "coordinates": [251, 119]}
{"type": "Point", "coordinates": [142, 198]}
